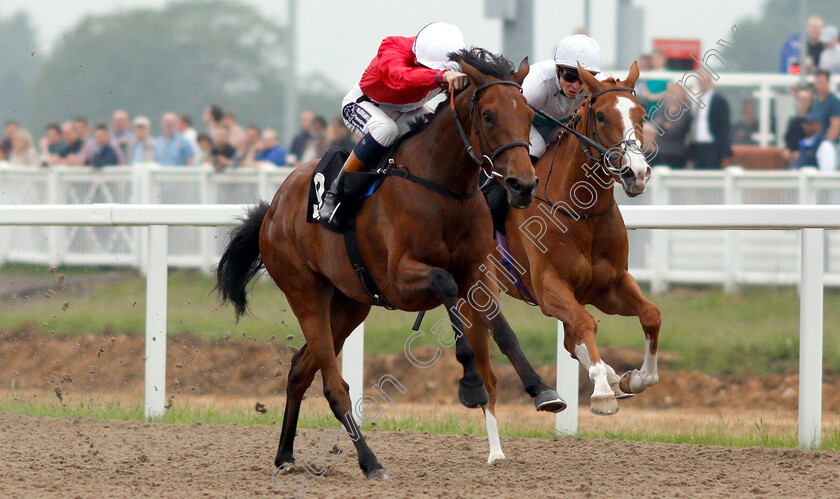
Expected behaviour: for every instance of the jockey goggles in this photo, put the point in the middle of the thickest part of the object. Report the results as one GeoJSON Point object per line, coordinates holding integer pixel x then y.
{"type": "Point", "coordinates": [569, 74]}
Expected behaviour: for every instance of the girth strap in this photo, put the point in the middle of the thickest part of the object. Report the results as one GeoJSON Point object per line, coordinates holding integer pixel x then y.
{"type": "Point", "coordinates": [394, 171]}
{"type": "Point", "coordinates": [351, 242]}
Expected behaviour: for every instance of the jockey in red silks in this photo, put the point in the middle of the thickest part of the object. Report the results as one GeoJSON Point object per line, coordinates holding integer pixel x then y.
{"type": "Point", "coordinates": [394, 90]}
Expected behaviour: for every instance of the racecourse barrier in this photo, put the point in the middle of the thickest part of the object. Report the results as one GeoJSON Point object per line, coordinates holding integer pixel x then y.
{"type": "Point", "coordinates": [660, 258]}
{"type": "Point", "coordinates": [811, 221]}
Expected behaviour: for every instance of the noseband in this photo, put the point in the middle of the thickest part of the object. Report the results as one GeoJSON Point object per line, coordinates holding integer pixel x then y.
{"type": "Point", "coordinates": [606, 155]}
{"type": "Point", "coordinates": [479, 130]}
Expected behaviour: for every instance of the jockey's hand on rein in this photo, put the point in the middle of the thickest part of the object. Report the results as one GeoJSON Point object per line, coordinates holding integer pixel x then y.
{"type": "Point", "coordinates": [455, 80]}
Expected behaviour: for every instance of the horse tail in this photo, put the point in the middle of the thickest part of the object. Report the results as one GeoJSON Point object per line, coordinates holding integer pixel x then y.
{"type": "Point", "coordinates": [241, 260]}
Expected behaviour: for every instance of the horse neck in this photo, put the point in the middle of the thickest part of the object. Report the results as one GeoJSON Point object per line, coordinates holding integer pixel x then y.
{"type": "Point", "coordinates": [572, 166]}
{"type": "Point", "coordinates": [438, 153]}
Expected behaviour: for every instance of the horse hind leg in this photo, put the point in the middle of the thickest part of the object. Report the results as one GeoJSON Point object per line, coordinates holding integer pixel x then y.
{"type": "Point", "coordinates": [345, 316]}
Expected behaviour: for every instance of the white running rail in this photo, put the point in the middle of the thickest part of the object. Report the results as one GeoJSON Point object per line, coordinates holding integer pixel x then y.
{"type": "Point", "coordinates": [811, 221]}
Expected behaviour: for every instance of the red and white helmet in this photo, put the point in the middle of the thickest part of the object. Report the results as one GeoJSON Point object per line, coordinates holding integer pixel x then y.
{"type": "Point", "coordinates": [435, 42]}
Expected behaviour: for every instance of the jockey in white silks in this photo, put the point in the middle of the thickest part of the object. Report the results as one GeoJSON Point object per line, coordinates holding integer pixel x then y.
{"type": "Point", "coordinates": [554, 86]}
{"type": "Point", "coordinates": [394, 90]}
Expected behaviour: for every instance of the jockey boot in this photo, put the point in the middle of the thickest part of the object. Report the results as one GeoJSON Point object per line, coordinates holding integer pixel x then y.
{"type": "Point", "coordinates": [343, 188]}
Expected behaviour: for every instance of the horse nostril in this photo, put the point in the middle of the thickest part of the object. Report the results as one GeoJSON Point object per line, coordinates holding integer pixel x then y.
{"type": "Point", "coordinates": [513, 184]}
{"type": "Point", "coordinates": [647, 173]}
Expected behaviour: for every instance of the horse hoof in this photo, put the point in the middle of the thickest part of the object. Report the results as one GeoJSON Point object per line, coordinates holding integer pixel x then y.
{"type": "Point", "coordinates": [549, 401]}
{"type": "Point", "coordinates": [619, 394]}
{"type": "Point", "coordinates": [495, 458]}
{"type": "Point", "coordinates": [380, 474]}
{"type": "Point", "coordinates": [472, 396]}
{"type": "Point", "coordinates": [624, 383]}
{"type": "Point", "coordinates": [605, 405]}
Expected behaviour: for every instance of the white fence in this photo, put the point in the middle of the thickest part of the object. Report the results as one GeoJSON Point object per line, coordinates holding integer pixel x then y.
{"type": "Point", "coordinates": [661, 258]}
{"type": "Point", "coordinates": [810, 220]}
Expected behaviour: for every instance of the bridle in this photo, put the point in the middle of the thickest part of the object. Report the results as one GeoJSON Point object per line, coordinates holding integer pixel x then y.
{"type": "Point", "coordinates": [483, 158]}
{"type": "Point", "coordinates": [607, 156]}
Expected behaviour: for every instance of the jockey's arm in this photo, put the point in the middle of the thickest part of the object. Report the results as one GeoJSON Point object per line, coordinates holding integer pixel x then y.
{"type": "Point", "coordinates": [398, 75]}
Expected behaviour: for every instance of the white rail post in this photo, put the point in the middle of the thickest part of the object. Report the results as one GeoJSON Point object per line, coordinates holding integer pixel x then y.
{"type": "Point", "coordinates": [568, 371]}
{"type": "Point", "coordinates": [732, 255]}
{"type": "Point", "coordinates": [811, 339]}
{"type": "Point", "coordinates": [659, 238]}
{"type": "Point", "coordinates": [765, 96]}
{"type": "Point", "coordinates": [353, 366]}
{"type": "Point", "coordinates": [156, 273]}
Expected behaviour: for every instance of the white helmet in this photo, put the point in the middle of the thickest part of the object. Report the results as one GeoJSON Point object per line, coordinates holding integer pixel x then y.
{"type": "Point", "coordinates": [434, 43]}
{"type": "Point", "coordinates": [578, 48]}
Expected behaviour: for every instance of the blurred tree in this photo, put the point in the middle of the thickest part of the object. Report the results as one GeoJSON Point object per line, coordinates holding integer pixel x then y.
{"type": "Point", "coordinates": [18, 66]}
{"type": "Point", "coordinates": [764, 35]}
{"type": "Point", "coordinates": [182, 58]}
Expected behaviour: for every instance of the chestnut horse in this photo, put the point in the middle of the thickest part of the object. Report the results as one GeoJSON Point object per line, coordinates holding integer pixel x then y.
{"type": "Point", "coordinates": [571, 247]}
{"type": "Point", "coordinates": [422, 248]}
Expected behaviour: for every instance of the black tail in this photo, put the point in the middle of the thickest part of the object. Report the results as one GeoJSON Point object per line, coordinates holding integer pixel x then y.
{"type": "Point", "coordinates": [241, 260]}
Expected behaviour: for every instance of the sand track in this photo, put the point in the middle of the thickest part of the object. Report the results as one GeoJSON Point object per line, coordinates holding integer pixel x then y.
{"type": "Point", "coordinates": [87, 458]}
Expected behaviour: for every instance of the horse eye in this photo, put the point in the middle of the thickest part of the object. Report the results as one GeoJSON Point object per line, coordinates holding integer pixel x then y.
{"type": "Point", "coordinates": [488, 117]}
{"type": "Point", "coordinates": [599, 116]}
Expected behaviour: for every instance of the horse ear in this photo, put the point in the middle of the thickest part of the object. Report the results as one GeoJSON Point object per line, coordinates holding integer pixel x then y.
{"type": "Point", "coordinates": [476, 77]}
{"type": "Point", "coordinates": [589, 81]}
{"type": "Point", "coordinates": [633, 76]}
{"type": "Point", "coordinates": [522, 72]}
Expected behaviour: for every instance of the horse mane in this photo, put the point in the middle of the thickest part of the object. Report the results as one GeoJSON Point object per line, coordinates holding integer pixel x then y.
{"type": "Point", "coordinates": [486, 62]}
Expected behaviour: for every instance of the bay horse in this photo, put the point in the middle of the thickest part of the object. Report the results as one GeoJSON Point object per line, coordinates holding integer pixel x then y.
{"type": "Point", "coordinates": [422, 247]}
{"type": "Point", "coordinates": [570, 248]}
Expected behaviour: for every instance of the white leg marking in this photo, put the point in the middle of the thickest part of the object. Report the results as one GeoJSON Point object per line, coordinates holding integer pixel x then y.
{"type": "Point", "coordinates": [648, 375]}
{"type": "Point", "coordinates": [597, 372]}
{"type": "Point", "coordinates": [612, 377]}
{"type": "Point", "coordinates": [496, 453]}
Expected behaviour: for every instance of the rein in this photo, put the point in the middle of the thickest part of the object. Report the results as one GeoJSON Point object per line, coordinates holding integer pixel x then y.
{"type": "Point", "coordinates": [585, 143]}
{"type": "Point", "coordinates": [494, 153]}
{"type": "Point", "coordinates": [606, 156]}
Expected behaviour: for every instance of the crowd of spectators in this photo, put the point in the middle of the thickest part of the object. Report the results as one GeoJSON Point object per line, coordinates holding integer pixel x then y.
{"type": "Point", "coordinates": [223, 143]}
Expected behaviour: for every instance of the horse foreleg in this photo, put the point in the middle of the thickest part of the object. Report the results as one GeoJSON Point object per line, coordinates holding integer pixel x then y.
{"type": "Point", "coordinates": [477, 335]}
{"type": "Point", "coordinates": [545, 398]}
{"type": "Point", "coordinates": [558, 301]}
{"type": "Point", "coordinates": [626, 299]}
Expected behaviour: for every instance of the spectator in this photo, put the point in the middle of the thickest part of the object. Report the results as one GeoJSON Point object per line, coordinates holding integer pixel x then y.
{"type": "Point", "coordinates": [338, 135]}
{"type": "Point", "coordinates": [299, 141]}
{"type": "Point", "coordinates": [671, 148]}
{"type": "Point", "coordinates": [814, 150]}
{"type": "Point", "coordinates": [795, 132]}
{"type": "Point", "coordinates": [90, 147]}
{"type": "Point", "coordinates": [73, 144]}
{"type": "Point", "coordinates": [9, 130]}
{"type": "Point", "coordinates": [710, 138]}
{"type": "Point", "coordinates": [236, 134]}
{"type": "Point", "coordinates": [105, 153]}
{"type": "Point", "coordinates": [186, 129]}
{"type": "Point", "coordinates": [51, 145]}
{"type": "Point", "coordinates": [250, 148]}
{"type": "Point", "coordinates": [815, 46]}
{"type": "Point", "coordinates": [317, 145]}
{"type": "Point", "coordinates": [23, 151]}
{"type": "Point", "coordinates": [205, 149]}
{"type": "Point", "coordinates": [742, 131]}
{"type": "Point", "coordinates": [171, 148]}
{"type": "Point", "coordinates": [826, 106]}
{"type": "Point", "coordinates": [653, 90]}
{"type": "Point", "coordinates": [830, 57]}
{"type": "Point", "coordinates": [141, 149]}
{"type": "Point", "coordinates": [223, 150]}
{"type": "Point", "coordinates": [271, 150]}
{"type": "Point", "coordinates": [212, 117]}
{"type": "Point", "coordinates": [123, 135]}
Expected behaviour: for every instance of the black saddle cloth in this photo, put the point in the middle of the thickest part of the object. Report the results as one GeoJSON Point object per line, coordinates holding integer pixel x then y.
{"type": "Point", "coordinates": [323, 177]}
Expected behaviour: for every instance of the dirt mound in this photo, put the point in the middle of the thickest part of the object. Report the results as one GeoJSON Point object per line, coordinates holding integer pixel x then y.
{"type": "Point", "coordinates": [250, 367]}
{"type": "Point", "coordinates": [131, 459]}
